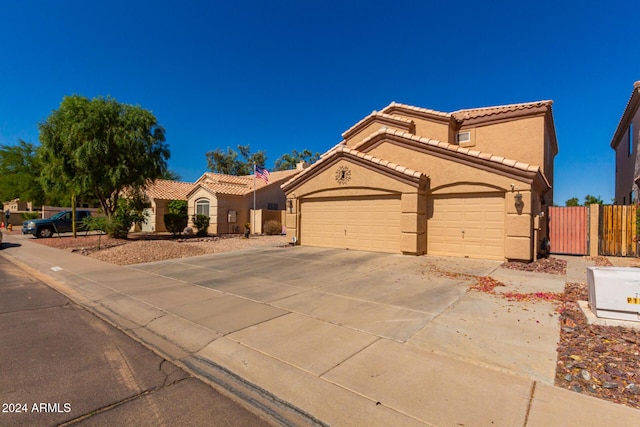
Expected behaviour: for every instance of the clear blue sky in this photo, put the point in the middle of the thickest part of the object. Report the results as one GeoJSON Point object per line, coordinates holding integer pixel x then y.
{"type": "Point", "coordinates": [283, 75]}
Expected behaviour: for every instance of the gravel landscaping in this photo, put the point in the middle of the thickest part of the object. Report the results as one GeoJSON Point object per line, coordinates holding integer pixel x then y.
{"type": "Point", "coordinates": [141, 248]}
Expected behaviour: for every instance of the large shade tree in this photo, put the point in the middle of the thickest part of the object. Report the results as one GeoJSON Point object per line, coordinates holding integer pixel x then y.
{"type": "Point", "coordinates": [101, 147]}
{"type": "Point", "coordinates": [291, 160]}
{"type": "Point", "coordinates": [228, 162]}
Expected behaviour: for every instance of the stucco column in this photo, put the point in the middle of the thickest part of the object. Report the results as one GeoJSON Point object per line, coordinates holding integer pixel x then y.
{"type": "Point", "coordinates": [519, 226]}
{"type": "Point", "coordinates": [413, 223]}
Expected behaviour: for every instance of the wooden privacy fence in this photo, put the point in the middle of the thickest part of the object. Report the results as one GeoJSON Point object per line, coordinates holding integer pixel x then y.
{"type": "Point", "coordinates": [568, 230]}
{"type": "Point", "coordinates": [618, 230]}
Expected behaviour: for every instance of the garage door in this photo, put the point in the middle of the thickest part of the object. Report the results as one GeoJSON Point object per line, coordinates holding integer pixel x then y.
{"type": "Point", "coordinates": [367, 223]}
{"type": "Point", "coordinates": [466, 225]}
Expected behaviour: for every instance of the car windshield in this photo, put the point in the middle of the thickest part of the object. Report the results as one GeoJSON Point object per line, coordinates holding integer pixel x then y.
{"type": "Point", "coordinates": [59, 215]}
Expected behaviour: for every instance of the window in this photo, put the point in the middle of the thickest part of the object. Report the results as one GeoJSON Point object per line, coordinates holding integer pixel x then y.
{"type": "Point", "coordinates": [272, 206]}
{"type": "Point", "coordinates": [463, 137]}
{"type": "Point", "coordinates": [630, 139]}
{"type": "Point", "coordinates": [202, 207]}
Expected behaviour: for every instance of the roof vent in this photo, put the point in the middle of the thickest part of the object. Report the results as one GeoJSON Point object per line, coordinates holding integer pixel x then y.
{"type": "Point", "coordinates": [463, 137]}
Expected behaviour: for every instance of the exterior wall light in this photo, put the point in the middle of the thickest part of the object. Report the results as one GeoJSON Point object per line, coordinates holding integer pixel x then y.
{"type": "Point", "coordinates": [518, 198]}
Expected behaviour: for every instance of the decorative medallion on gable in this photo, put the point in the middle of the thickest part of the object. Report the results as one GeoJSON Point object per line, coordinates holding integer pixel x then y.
{"type": "Point", "coordinates": [343, 175]}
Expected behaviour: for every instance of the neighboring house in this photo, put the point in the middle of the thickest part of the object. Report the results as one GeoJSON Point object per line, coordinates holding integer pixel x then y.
{"type": "Point", "coordinates": [228, 199]}
{"type": "Point", "coordinates": [160, 193]}
{"type": "Point", "coordinates": [473, 183]}
{"type": "Point", "coordinates": [626, 145]}
{"type": "Point", "coordinates": [225, 199]}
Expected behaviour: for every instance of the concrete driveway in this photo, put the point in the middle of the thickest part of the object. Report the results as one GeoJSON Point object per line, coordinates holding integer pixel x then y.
{"type": "Point", "coordinates": [377, 295]}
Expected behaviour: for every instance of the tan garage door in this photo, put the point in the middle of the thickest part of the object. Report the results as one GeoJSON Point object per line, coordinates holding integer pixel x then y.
{"type": "Point", "coordinates": [466, 225]}
{"type": "Point", "coordinates": [366, 223]}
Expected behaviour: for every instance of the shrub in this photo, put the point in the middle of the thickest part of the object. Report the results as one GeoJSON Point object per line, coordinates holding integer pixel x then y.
{"type": "Point", "coordinates": [175, 222]}
{"type": "Point", "coordinates": [30, 215]}
{"type": "Point", "coordinates": [178, 207]}
{"type": "Point", "coordinates": [272, 227]}
{"type": "Point", "coordinates": [201, 223]}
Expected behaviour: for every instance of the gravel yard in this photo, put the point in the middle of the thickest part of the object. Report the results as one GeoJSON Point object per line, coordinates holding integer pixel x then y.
{"type": "Point", "coordinates": [141, 248]}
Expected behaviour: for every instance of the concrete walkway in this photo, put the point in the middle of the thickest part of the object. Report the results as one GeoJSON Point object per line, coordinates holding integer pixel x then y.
{"type": "Point", "coordinates": [317, 336]}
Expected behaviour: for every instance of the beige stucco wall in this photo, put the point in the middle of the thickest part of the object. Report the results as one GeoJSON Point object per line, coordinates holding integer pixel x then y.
{"type": "Point", "coordinates": [371, 127]}
{"type": "Point", "coordinates": [521, 140]}
{"type": "Point", "coordinates": [213, 208]}
{"type": "Point", "coordinates": [438, 130]}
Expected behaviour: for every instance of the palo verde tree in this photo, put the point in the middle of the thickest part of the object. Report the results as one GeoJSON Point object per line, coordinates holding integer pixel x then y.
{"type": "Point", "coordinates": [102, 147]}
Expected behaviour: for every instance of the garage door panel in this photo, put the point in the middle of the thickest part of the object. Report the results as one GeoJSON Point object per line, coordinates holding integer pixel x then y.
{"type": "Point", "coordinates": [371, 223]}
{"type": "Point", "coordinates": [466, 225]}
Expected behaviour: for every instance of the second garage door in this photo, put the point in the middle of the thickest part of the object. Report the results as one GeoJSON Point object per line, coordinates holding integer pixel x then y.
{"type": "Point", "coordinates": [466, 225]}
{"type": "Point", "coordinates": [363, 223]}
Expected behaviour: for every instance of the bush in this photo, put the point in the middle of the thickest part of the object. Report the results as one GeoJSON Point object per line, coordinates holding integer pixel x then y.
{"type": "Point", "coordinates": [272, 227]}
{"type": "Point", "coordinates": [178, 207]}
{"type": "Point", "coordinates": [30, 215]}
{"type": "Point", "coordinates": [175, 222]}
{"type": "Point", "coordinates": [201, 223]}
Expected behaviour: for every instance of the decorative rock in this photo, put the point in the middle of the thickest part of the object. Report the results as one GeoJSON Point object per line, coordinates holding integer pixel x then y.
{"type": "Point", "coordinates": [577, 388]}
{"type": "Point", "coordinates": [188, 231]}
{"type": "Point", "coordinates": [585, 375]}
{"type": "Point", "coordinates": [568, 377]}
{"type": "Point", "coordinates": [633, 389]}
{"type": "Point", "coordinates": [609, 385]}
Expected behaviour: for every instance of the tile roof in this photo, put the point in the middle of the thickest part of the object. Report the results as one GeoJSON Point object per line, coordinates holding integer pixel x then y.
{"type": "Point", "coordinates": [453, 148]}
{"type": "Point", "coordinates": [239, 185]}
{"type": "Point", "coordinates": [389, 109]}
{"type": "Point", "coordinates": [368, 157]}
{"type": "Point", "coordinates": [403, 122]}
{"type": "Point", "coordinates": [168, 190]}
{"type": "Point", "coordinates": [474, 113]}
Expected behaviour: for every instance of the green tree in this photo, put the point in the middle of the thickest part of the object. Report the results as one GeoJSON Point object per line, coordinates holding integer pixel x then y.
{"type": "Point", "coordinates": [20, 171]}
{"type": "Point", "coordinates": [171, 175]}
{"type": "Point", "coordinates": [101, 147]}
{"type": "Point", "coordinates": [592, 200]}
{"type": "Point", "coordinates": [227, 162]}
{"type": "Point", "coordinates": [574, 201]}
{"type": "Point", "coordinates": [289, 161]}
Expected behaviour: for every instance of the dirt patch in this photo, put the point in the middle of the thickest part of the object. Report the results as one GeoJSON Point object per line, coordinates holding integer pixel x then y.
{"type": "Point", "coordinates": [143, 248]}
{"type": "Point", "coordinates": [548, 265]}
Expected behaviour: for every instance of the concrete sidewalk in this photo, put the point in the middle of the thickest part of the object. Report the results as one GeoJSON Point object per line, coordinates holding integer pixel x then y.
{"type": "Point", "coordinates": [316, 336]}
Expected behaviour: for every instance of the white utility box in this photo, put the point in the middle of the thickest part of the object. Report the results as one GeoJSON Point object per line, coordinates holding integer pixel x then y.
{"type": "Point", "coordinates": [614, 292]}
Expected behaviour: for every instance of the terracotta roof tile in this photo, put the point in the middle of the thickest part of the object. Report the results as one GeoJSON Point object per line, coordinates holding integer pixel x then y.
{"type": "Point", "coordinates": [164, 189]}
{"type": "Point", "coordinates": [474, 113]}
{"type": "Point", "coordinates": [401, 121]}
{"type": "Point", "coordinates": [240, 185]}
{"type": "Point", "coordinates": [427, 111]}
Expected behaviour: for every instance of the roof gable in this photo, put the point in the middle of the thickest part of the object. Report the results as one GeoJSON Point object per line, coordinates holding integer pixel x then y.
{"type": "Point", "coordinates": [627, 116]}
{"type": "Point", "coordinates": [231, 185]}
{"type": "Point", "coordinates": [400, 172]}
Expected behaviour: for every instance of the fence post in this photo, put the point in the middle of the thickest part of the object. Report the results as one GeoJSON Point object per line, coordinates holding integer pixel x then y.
{"type": "Point", "coordinates": [594, 235]}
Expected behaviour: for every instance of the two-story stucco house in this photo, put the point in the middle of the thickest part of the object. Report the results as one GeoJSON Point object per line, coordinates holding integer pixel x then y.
{"type": "Point", "coordinates": [626, 145]}
{"type": "Point", "coordinates": [472, 183]}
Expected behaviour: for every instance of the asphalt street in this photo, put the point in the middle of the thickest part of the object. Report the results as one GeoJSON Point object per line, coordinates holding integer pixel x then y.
{"type": "Point", "coordinates": [62, 365]}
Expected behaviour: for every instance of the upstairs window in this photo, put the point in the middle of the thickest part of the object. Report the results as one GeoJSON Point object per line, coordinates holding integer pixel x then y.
{"type": "Point", "coordinates": [272, 206]}
{"type": "Point", "coordinates": [630, 139]}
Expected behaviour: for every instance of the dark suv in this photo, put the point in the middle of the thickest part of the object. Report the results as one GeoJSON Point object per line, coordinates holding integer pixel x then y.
{"type": "Point", "coordinates": [58, 223]}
